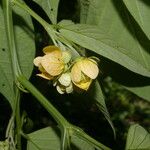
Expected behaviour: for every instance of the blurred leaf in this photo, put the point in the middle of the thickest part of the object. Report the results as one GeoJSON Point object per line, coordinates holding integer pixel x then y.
{"type": "Point", "coordinates": [135, 83]}
{"type": "Point", "coordinates": [143, 92]}
{"type": "Point", "coordinates": [138, 138]}
{"type": "Point", "coordinates": [25, 50]}
{"type": "Point", "coordinates": [91, 37]}
{"type": "Point", "coordinates": [48, 139]}
{"type": "Point", "coordinates": [140, 10]}
{"type": "Point", "coordinates": [100, 101]}
{"type": "Point", "coordinates": [50, 7]}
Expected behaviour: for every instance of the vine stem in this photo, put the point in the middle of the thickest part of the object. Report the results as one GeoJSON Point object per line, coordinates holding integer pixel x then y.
{"type": "Point", "coordinates": [43, 101]}
{"type": "Point", "coordinates": [81, 134]}
{"type": "Point", "coordinates": [18, 119]}
{"type": "Point", "coordinates": [65, 126]}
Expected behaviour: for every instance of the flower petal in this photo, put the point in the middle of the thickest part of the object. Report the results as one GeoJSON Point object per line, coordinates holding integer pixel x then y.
{"type": "Point", "coordinates": [53, 50]}
{"type": "Point", "coordinates": [65, 79]}
{"type": "Point", "coordinates": [52, 65]}
{"type": "Point", "coordinates": [45, 76]}
{"type": "Point", "coordinates": [76, 73]}
{"type": "Point", "coordinates": [59, 89]}
{"type": "Point", "coordinates": [89, 68]}
{"type": "Point", "coordinates": [84, 85]}
{"type": "Point", "coordinates": [37, 61]}
{"type": "Point", "coordinates": [69, 89]}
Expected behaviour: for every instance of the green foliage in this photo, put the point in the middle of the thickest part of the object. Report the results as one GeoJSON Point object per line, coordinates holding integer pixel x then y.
{"type": "Point", "coordinates": [120, 31]}
{"type": "Point", "coordinates": [138, 138]}
{"type": "Point", "coordinates": [97, 94]}
{"type": "Point", "coordinates": [91, 37]}
{"type": "Point", "coordinates": [50, 7]}
{"type": "Point", "coordinates": [141, 13]}
{"type": "Point", "coordinates": [116, 31]}
{"type": "Point", "coordinates": [48, 139]}
{"type": "Point", "coordinates": [141, 91]}
{"type": "Point", "coordinates": [24, 43]}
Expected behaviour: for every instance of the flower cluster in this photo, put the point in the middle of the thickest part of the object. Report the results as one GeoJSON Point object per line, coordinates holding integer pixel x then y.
{"type": "Point", "coordinates": [57, 65]}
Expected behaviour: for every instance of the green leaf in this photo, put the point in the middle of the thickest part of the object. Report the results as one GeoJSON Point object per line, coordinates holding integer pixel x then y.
{"type": "Point", "coordinates": [91, 37]}
{"type": "Point", "coordinates": [48, 139]}
{"type": "Point", "coordinates": [113, 20]}
{"type": "Point", "coordinates": [140, 10]}
{"type": "Point", "coordinates": [143, 92]}
{"type": "Point", "coordinates": [25, 51]}
{"type": "Point", "coordinates": [6, 77]}
{"type": "Point", "coordinates": [97, 94]}
{"type": "Point", "coordinates": [138, 138]}
{"type": "Point", "coordinates": [50, 7]}
{"type": "Point", "coordinates": [84, 7]}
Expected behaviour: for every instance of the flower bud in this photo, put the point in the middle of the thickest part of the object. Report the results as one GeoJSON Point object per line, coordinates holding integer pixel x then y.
{"type": "Point", "coordinates": [64, 84]}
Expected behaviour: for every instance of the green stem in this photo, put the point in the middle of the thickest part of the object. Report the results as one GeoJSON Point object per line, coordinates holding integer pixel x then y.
{"type": "Point", "coordinates": [11, 40]}
{"type": "Point", "coordinates": [46, 25]}
{"type": "Point", "coordinates": [44, 102]}
{"type": "Point", "coordinates": [78, 132]}
{"type": "Point", "coordinates": [18, 119]}
{"type": "Point", "coordinates": [64, 124]}
{"type": "Point", "coordinates": [15, 64]}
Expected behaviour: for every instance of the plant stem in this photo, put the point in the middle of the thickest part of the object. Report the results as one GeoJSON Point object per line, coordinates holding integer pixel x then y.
{"type": "Point", "coordinates": [81, 134]}
{"type": "Point", "coordinates": [15, 65]}
{"type": "Point", "coordinates": [64, 124]}
{"type": "Point", "coordinates": [44, 102]}
{"type": "Point", "coordinates": [18, 119]}
{"type": "Point", "coordinates": [46, 25]}
{"type": "Point", "coordinates": [11, 40]}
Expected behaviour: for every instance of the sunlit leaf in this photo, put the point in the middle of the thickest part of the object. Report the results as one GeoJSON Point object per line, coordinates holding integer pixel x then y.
{"type": "Point", "coordinates": [48, 139]}
{"type": "Point", "coordinates": [138, 138]}
{"type": "Point", "coordinates": [25, 50]}
{"type": "Point", "coordinates": [50, 7]}
{"type": "Point", "coordinates": [140, 10]}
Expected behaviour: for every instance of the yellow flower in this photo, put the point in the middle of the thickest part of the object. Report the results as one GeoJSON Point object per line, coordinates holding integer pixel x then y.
{"type": "Point", "coordinates": [52, 63]}
{"type": "Point", "coordinates": [83, 72]}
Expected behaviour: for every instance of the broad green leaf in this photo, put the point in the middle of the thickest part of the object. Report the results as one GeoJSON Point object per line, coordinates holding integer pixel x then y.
{"type": "Point", "coordinates": [143, 92]}
{"type": "Point", "coordinates": [97, 94]}
{"type": "Point", "coordinates": [25, 49]}
{"type": "Point", "coordinates": [48, 139]}
{"type": "Point", "coordinates": [50, 7]}
{"type": "Point", "coordinates": [138, 138]}
{"type": "Point", "coordinates": [140, 10]}
{"type": "Point", "coordinates": [91, 37]}
{"type": "Point", "coordinates": [6, 77]}
{"type": "Point", "coordinates": [84, 7]}
{"type": "Point", "coordinates": [113, 20]}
